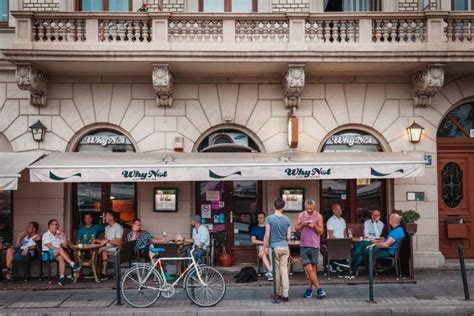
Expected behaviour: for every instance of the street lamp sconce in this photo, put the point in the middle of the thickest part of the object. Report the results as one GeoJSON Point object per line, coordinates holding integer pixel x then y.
{"type": "Point", "coordinates": [414, 132]}
{"type": "Point", "coordinates": [37, 131]}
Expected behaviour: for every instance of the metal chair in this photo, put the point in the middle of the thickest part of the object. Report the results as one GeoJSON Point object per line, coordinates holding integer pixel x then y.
{"type": "Point", "coordinates": [293, 258]}
{"type": "Point", "coordinates": [34, 254]}
{"type": "Point", "coordinates": [50, 261]}
{"type": "Point", "coordinates": [338, 249]}
{"type": "Point", "coordinates": [394, 260]}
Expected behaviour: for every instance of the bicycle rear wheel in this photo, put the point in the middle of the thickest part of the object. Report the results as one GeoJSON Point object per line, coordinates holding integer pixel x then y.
{"type": "Point", "coordinates": [138, 293]}
{"type": "Point", "coordinates": [208, 294]}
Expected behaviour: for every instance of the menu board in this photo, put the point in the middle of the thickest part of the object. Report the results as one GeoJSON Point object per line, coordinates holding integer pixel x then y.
{"type": "Point", "coordinates": [294, 199]}
{"type": "Point", "coordinates": [165, 200]}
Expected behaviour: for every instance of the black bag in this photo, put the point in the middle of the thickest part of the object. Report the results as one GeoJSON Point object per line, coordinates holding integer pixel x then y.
{"type": "Point", "coordinates": [246, 275]}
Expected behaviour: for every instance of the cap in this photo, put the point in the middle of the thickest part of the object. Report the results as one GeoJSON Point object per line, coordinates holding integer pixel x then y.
{"type": "Point", "coordinates": [196, 218]}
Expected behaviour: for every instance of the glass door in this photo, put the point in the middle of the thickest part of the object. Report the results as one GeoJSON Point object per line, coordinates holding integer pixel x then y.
{"type": "Point", "coordinates": [244, 211]}
{"type": "Point", "coordinates": [89, 200]}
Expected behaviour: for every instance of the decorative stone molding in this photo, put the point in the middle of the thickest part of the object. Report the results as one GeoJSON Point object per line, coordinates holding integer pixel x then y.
{"type": "Point", "coordinates": [163, 85]}
{"type": "Point", "coordinates": [426, 83]}
{"type": "Point", "coordinates": [34, 80]}
{"type": "Point", "coordinates": [293, 84]}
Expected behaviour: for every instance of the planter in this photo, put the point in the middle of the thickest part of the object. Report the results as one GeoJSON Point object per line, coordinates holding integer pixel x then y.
{"type": "Point", "coordinates": [411, 228]}
{"type": "Point", "coordinates": [225, 260]}
{"type": "Point", "coordinates": [456, 231]}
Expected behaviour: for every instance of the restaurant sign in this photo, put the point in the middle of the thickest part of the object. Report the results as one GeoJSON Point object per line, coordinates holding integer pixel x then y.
{"type": "Point", "coordinates": [351, 140]}
{"type": "Point", "coordinates": [104, 140]}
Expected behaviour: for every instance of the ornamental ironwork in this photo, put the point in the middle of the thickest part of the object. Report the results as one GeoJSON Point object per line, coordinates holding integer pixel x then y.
{"type": "Point", "coordinates": [452, 185]}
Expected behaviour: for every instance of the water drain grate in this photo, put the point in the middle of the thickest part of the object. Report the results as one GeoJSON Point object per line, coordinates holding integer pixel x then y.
{"type": "Point", "coordinates": [425, 297]}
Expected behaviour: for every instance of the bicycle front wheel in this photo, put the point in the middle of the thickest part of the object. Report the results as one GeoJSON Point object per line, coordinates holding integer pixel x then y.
{"type": "Point", "coordinates": [138, 293]}
{"type": "Point", "coordinates": [208, 293]}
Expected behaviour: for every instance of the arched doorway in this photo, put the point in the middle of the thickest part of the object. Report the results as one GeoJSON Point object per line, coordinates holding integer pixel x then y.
{"type": "Point", "coordinates": [230, 206]}
{"type": "Point", "coordinates": [6, 197]}
{"type": "Point", "coordinates": [357, 197]}
{"type": "Point", "coordinates": [97, 198]}
{"type": "Point", "coordinates": [455, 169]}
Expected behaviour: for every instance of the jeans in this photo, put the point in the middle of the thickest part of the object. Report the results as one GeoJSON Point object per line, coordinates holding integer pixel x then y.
{"type": "Point", "coordinates": [360, 250]}
{"type": "Point", "coordinates": [281, 271]}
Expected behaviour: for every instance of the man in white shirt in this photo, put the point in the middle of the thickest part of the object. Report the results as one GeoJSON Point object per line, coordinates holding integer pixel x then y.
{"type": "Point", "coordinates": [201, 237]}
{"type": "Point", "coordinates": [113, 240]}
{"type": "Point", "coordinates": [373, 227]}
{"type": "Point", "coordinates": [53, 242]}
{"type": "Point", "coordinates": [336, 225]}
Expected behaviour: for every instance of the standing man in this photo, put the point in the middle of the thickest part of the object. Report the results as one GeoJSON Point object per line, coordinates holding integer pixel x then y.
{"type": "Point", "coordinates": [257, 234]}
{"type": "Point", "coordinates": [277, 234]}
{"type": "Point", "coordinates": [373, 227]}
{"type": "Point", "coordinates": [310, 224]}
{"type": "Point", "coordinates": [113, 240]}
{"type": "Point", "coordinates": [201, 237]}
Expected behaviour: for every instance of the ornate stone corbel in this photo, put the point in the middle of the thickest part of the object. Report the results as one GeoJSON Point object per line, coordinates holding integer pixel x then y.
{"type": "Point", "coordinates": [34, 80]}
{"type": "Point", "coordinates": [426, 83]}
{"type": "Point", "coordinates": [163, 84]}
{"type": "Point", "coordinates": [293, 84]}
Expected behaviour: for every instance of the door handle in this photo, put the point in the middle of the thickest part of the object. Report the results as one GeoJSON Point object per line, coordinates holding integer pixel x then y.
{"type": "Point", "coordinates": [231, 217]}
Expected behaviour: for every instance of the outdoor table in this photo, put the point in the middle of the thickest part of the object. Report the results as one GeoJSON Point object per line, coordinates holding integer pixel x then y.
{"type": "Point", "coordinates": [91, 262]}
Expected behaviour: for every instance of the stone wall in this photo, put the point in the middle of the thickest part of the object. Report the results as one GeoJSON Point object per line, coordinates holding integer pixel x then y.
{"type": "Point", "coordinates": [407, 5]}
{"type": "Point", "coordinates": [290, 5]}
{"type": "Point", "coordinates": [41, 5]}
{"type": "Point", "coordinates": [166, 5]}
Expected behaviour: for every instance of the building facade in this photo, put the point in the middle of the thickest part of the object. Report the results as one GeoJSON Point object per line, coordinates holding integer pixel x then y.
{"type": "Point", "coordinates": [183, 74]}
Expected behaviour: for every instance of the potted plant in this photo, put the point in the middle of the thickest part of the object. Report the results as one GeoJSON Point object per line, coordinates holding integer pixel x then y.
{"type": "Point", "coordinates": [225, 259]}
{"type": "Point", "coordinates": [409, 218]}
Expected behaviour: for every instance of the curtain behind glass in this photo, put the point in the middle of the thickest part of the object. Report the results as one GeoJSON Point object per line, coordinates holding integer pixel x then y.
{"type": "Point", "coordinates": [3, 10]}
{"type": "Point", "coordinates": [461, 5]}
{"type": "Point", "coordinates": [242, 6]}
{"type": "Point", "coordinates": [92, 5]}
{"type": "Point", "coordinates": [355, 5]}
{"type": "Point", "coordinates": [118, 5]}
{"type": "Point", "coordinates": [213, 5]}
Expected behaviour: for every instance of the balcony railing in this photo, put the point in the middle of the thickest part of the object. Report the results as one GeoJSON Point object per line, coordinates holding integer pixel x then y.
{"type": "Point", "coordinates": [376, 31]}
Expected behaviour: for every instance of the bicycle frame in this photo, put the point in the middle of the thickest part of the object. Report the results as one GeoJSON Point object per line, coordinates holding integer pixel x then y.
{"type": "Point", "coordinates": [191, 266]}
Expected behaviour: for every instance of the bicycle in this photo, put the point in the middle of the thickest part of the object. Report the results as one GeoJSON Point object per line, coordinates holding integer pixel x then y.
{"type": "Point", "coordinates": [142, 285]}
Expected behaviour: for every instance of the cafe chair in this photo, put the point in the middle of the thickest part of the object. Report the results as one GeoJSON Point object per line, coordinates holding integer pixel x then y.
{"type": "Point", "coordinates": [33, 255]}
{"type": "Point", "coordinates": [394, 260]}
{"type": "Point", "coordinates": [50, 261]}
{"type": "Point", "coordinates": [294, 257]}
{"type": "Point", "coordinates": [338, 249]}
{"type": "Point", "coordinates": [259, 261]}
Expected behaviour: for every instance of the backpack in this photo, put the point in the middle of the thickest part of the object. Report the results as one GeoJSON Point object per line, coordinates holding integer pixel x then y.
{"type": "Point", "coordinates": [246, 275]}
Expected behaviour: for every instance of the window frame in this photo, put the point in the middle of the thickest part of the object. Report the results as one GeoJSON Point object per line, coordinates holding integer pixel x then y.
{"type": "Point", "coordinates": [227, 6]}
{"type": "Point", "coordinates": [4, 24]}
{"type": "Point", "coordinates": [105, 5]}
{"type": "Point", "coordinates": [469, 3]}
{"type": "Point", "coordinates": [377, 6]}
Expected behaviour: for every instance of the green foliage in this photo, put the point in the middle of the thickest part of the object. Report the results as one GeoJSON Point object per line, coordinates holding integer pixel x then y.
{"type": "Point", "coordinates": [410, 216]}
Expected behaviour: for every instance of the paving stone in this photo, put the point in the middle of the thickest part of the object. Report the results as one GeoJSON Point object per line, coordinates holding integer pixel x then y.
{"type": "Point", "coordinates": [90, 300]}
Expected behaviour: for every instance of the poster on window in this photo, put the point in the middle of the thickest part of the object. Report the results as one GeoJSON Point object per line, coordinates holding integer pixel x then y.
{"type": "Point", "coordinates": [294, 199]}
{"type": "Point", "coordinates": [213, 196]}
{"type": "Point", "coordinates": [165, 200]}
{"type": "Point", "coordinates": [206, 211]}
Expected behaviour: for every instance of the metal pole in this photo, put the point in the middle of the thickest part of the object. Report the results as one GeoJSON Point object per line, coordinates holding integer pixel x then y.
{"type": "Point", "coordinates": [117, 278]}
{"type": "Point", "coordinates": [463, 273]}
{"type": "Point", "coordinates": [371, 275]}
{"type": "Point", "coordinates": [275, 299]}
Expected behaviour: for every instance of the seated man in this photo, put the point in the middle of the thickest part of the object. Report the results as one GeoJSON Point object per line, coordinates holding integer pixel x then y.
{"type": "Point", "coordinates": [373, 227]}
{"type": "Point", "coordinates": [257, 233]}
{"type": "Point", "coordinates": [383, 247]}
{"type": "Point", "coordinates": [53, 243]}
{"type": "Point", "coordinates": [90, 231]}
{"type": "Point", "coordinates": [25, 242]}
{"type": "Point", "coordinates": [336, 228]}
{"type": "Point", "coordinates": [143, 238]}
{"type": "Point", "coordinates": [113, 240]}
{"type": "Point", "coordinates": [6, 239]}
{"type": "Point", "coordinates": [201, 237]}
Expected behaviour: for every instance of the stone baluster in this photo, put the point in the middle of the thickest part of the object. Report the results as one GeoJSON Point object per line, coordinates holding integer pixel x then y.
{"type": "Point", "coordinates": [378, 30]}
{"type": "Point", "coordinates": [465, 30]}
{"type": "Point", "coordinates": [69, 31]}
{"type": "Point", "coordinates": [41, 33]}
{"type": "Point", "coordinates": [403, 32]}
{"type": "Point", "coordinates": [418, 33]}
{"type": "Point", "coordinates": [146, 32]}
{"type": "Point", "coordinates": [449, 30]}
{"type": "Point", "coordinates": [457, 30]}
{"type": "Point", "coordinates": [335, 31]}
{"type": "Point", "coordinates": [327, 31]}
{"type": "Point", "coordinates": [319, 32]}
{"type": "Point", "coordinates": [79, 27]}
{"type": "Point", "coordinates": [409, 31]}
{"type": "Point", "coordinates": [385, 31]}
{"type": "Point", "coordinates": [351, 32]}
{"type": "Point", "coordinates": [48, 30]}
{"type": "Point", "coordinates": [62, 30]}
{"type": "Point", "coordinates": [343, 31]}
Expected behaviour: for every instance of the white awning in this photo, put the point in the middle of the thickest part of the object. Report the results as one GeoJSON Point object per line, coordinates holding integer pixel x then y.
{"type": "Point", "coordinates": [11, 164]}
{"type": "Point", "coordinates": [139, 167]}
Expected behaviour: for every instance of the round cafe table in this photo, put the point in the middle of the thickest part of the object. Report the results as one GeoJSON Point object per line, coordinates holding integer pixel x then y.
{"type": "Point", "coordinates": [88, 261]}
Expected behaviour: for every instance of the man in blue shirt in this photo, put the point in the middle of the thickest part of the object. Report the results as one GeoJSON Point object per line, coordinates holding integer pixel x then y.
{"type": "Point", "coordinates": [201, 238]}
{"type": "Point", "coordinates": [90, 231]}
{"type": "Point", "coordinates": [257, 233]}
{"type": "Point", "coordinates": [383, 247]}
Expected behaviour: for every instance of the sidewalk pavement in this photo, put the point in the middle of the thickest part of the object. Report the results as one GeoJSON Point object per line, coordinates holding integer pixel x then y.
{"type": "Point", "coordinates": [436, 293]}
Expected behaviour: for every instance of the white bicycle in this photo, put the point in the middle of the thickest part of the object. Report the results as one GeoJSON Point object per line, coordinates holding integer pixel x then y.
{"type": "Point", "coordinates": [142, 284]}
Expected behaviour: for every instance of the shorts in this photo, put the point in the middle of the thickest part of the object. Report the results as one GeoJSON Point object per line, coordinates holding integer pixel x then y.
{"type": "Point", "coordinates": [50, 253]}
{"type": "Point", "coordinates": [18, 257]}
{"type": "Point", "coordinates": [309, 255]}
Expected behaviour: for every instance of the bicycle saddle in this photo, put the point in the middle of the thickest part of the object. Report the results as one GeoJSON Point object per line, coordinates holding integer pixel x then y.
{"type": "Point", "coordinates": [157, 250]}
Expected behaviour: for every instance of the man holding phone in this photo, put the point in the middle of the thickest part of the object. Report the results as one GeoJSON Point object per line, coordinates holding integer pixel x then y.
{"type": "Point", "coordinates": [310, 224]}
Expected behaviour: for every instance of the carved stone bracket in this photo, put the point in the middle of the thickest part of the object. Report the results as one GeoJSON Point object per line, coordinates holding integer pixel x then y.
{"type": "Point", "coordinates": [34, 80]}
{"type": "Point", "coordinates": [163, 85]}
{"type": "Point", "coordinates": [426, 83]}
{"type": "Point", "coordinates": [293, 84]}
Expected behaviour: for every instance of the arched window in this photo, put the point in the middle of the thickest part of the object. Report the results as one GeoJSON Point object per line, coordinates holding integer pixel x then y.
{"type": "Point", "coordinates": [458, 122]}
{"type": "Point", "coordinates": [228, 140]}
{"type": "Point", "coordinates": [97, 198]}
{"type": "Point", "coordinates": [357, 197]}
